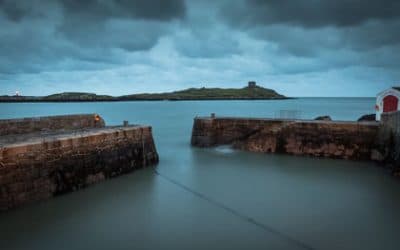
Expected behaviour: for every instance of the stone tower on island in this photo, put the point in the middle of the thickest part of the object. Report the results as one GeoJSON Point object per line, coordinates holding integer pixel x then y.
{"type": "Point", "coordinates": [252, 84]}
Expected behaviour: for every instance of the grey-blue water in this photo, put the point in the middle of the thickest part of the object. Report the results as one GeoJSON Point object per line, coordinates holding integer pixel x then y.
{"type": "Point", "coordinates": [215, 198]}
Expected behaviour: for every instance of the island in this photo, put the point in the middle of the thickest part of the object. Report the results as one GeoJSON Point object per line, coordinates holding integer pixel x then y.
{"type": "Point", "coordinates": [251, 92]}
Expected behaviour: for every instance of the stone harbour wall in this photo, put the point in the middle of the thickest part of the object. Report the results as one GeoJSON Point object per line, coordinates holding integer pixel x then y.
{"type": "Point", "coordinates": [47, 167]}
{"type": "Point", "coordinates": [389, 139]}
{"type": "Point", "coordinates": [344, 140]}
{"type": "Point", "coordinates": [50, 123]}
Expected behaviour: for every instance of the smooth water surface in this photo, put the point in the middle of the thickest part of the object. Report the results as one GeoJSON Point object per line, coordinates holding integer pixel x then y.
{"type": "Point", "coordinates": [214, 198]}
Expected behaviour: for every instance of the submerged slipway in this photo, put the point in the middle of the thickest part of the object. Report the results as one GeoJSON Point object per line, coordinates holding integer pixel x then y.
{"type": "Point", "coordinates": [214, 198]}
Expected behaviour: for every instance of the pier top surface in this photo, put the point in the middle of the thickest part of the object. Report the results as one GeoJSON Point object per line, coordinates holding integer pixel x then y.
{"type": "Point", "coordinates": [372, 123]}
{"type": "Point", "coordinates": [38, 137]}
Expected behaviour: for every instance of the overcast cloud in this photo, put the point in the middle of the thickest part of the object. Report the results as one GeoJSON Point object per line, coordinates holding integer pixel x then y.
{"type": "Point", "coordinates": [299, 48]}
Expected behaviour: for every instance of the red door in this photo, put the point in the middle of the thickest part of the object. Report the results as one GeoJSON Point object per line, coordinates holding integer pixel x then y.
{"type": "Point", "coordinates": [390, 103]}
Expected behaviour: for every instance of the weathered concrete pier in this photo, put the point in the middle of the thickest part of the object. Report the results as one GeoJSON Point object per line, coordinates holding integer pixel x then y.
{"type": "Point", "coordinates": [46, 156]}
{"type": "Point", "coordinates": [379, 141]}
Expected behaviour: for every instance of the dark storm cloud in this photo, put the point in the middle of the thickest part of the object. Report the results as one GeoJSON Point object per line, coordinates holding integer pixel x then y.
{"type": "Point", "coordinates": [89, 22]}
{"type": "Point", "coordinates": [330, 34]}
{"type": "Point", "coordinates": [310, 13]}
{"type": "Point", "coordinates": [128, 24]}
{"type": "Point", "coordinates": [101, 9]}
{"type": "Point", "coordinates": [14, 10]}
{"type": "Point", "coordinates": [310, 42]}
{"type": "Point", "coordinates": [42, 35]}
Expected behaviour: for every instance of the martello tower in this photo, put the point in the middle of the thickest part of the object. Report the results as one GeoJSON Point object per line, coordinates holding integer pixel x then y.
{"type": "Point", "coordinates": [252, 84]}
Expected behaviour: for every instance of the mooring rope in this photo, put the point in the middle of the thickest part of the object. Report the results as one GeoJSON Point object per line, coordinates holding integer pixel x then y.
{"type": "Point", "coordinates": [236, 213]}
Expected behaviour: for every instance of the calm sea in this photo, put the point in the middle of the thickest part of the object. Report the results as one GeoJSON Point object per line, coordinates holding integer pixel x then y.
{"type": "Point", "coordinates": [215, 198]}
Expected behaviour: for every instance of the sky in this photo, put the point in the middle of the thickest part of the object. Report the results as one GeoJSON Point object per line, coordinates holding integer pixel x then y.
{"type": "Point", "coordinates": [117, 47]}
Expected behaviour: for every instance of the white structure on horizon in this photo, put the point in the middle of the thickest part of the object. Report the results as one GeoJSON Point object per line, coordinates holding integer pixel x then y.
{"type": "Point", "coordinates": [387, 101]}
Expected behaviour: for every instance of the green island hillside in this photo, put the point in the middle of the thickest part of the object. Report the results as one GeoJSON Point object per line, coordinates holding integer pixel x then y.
{"type": "Point", "coordinates": [77, 96]}
{"type": "Point", "coordinates": [245, 93]}
{"type": "Point", "coordinates": [250, 92]}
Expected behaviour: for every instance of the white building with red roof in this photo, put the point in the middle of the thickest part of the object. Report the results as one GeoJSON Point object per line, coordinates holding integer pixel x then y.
{"type": "Point", "coordinates": [387, 101]}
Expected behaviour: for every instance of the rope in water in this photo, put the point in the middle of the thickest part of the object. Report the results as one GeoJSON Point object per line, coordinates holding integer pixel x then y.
{"type": "Point", "coordinates": [236, 213]}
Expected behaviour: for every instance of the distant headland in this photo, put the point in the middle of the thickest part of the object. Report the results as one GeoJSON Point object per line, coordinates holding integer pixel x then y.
{"type": "Point", "coordinates": [251, 92]}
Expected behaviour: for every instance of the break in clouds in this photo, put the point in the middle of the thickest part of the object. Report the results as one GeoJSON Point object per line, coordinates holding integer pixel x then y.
{"type": "Point", "coordinates": [299, 48]}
